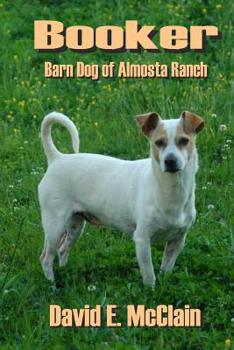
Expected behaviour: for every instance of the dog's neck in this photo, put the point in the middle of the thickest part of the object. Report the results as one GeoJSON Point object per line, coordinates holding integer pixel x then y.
{"type": "Point", "coordinates": [176, 186]}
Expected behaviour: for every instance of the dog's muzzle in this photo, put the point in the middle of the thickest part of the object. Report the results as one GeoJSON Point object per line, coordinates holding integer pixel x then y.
{"type": "Point", "coordinates": [171, 165]}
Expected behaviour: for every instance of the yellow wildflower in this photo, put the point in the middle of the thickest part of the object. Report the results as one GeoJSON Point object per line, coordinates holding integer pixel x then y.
{"type": "Point", "coordinates": [228, 343]}
{"type": "Point", "coordinates": [21, 103]}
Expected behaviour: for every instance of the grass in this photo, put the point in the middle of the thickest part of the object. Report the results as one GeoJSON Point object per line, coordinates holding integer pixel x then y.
{"type": "Point", "coordinates": [103, 111]}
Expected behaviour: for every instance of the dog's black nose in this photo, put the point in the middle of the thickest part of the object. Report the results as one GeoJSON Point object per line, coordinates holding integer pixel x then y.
{"type": "Point", "coordinates": [171, 163]}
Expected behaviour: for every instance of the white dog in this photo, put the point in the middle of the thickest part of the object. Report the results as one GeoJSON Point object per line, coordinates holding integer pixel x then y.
{"type": "Point", "coordinates": [151, 199]}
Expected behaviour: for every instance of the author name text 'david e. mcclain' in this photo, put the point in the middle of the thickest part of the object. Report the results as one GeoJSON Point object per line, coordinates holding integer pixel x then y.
{"type": "Point", "coordinates": [134, 316]}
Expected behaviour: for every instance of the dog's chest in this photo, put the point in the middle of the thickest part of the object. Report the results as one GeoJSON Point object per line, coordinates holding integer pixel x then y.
{"type": "Point", "coordinates": [171, 223]}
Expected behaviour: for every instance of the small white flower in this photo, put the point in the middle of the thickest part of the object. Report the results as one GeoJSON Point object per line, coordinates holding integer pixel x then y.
{"type": "Point", "coordinates": [91, 288]}
{"type": "Point", "coordinates": [14, 200]}
{"type": "Point", "coordinates": [224, 157]}
{"type": "Point", "coordinates": [11, 186]}
{"type": "Point", "coordinates": [228, 141]}
{"type": "Point", "coordinates": [222, 127]}
{"type": "Point", "coordinates": [213, 115]}
{"type": "Point", "coordinates": [204, 187]}
{"type": "Point", "coordinates": [210, 206]}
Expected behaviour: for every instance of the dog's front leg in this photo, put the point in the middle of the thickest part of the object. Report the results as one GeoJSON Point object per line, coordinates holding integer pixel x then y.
{"type": "Point", "coordinates": [171, 252]}
{"type": "Point", "coordinates": [143, 253]}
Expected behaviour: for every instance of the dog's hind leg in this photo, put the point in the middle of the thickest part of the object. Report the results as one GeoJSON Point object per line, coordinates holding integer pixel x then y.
{"type": "Point", "coordinates": [54, 230]}
{"type": "Point", "coordinates": [171, 252]}
{"type": "Point", "coordinates": [74, 230]}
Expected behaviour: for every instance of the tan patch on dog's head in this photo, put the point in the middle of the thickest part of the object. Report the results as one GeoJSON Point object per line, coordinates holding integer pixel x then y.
{"type": "Point", "coordinates": [159, 140]}
{"type": "Point", "coordinates": [182, 136]}
{"type": "Point", "coordinates": [190, 125]}
{"type": "Point", "coordinates": [153, 128]}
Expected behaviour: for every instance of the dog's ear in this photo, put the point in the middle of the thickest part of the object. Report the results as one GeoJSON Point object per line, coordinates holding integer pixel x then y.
{"type": "Point", "coordinates": [148, 122]}
{"type": "Point", "coordinates": [192, 122]}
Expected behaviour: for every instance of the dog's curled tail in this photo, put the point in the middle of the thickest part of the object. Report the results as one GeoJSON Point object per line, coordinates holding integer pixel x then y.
{"type": "Point", "coordinates": [50, 150]}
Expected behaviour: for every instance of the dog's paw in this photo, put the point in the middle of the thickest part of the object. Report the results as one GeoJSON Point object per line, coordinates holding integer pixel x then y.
{"type": "Point", "coordinates": [150, 287]}
{"type": "Point", "coordinates": [149, 281]}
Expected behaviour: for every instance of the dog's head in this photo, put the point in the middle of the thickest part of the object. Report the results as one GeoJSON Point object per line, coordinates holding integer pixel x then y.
{"type": "Point", "coordinates": [173, 140]}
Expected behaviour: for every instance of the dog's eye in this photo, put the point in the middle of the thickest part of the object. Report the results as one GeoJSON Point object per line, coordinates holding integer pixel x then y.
{"type": "Point", "coordinates": [160, 143]}
{"type": "Point", "coordinates": [183, 141]}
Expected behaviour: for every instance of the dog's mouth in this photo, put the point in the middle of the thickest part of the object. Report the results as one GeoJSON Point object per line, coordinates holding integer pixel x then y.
{"type": "Point", "coordinates": [172, 170]}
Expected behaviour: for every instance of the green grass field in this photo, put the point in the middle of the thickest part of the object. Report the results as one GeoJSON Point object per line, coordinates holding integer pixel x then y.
{"type": "Point", "coordinates": [104, 113]}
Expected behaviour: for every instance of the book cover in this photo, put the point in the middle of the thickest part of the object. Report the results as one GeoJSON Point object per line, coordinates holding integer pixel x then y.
{"type": "Point", "coordinates": [116, 175]}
